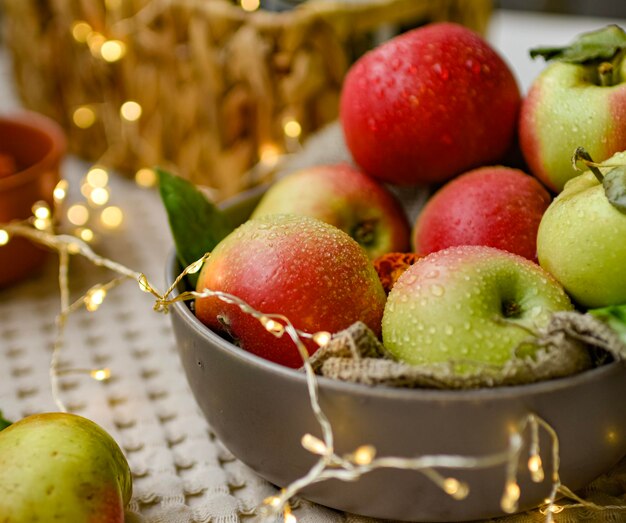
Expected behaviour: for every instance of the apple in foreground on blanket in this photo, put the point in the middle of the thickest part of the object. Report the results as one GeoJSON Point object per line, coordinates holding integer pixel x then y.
{"type": "Point", "coordinates": [578, 99]}
{"type": "Point", "coordinates": [493, 206]}
{"type": "Point", "coordinates": [345, 197]}
{"type": "Point", "coordinates": [298, 266]}
{"type": "Point", "coordinates": [468, 303]}
{"type": "Point", "coordinates": [429, 104]}
{"type": "Point", "coordinates": [61, 467]}
{"type": "Point", "coordinates": [582, 237]}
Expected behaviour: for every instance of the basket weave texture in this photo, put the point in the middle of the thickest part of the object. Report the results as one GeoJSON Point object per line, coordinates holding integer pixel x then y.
{"type": "Point", "coordinates": [215, 83]}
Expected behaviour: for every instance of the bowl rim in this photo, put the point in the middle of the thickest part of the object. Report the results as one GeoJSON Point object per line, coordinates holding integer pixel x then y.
{"type": "Point", "coordinates": [396, 393]}
{"type": "Point", "coordinates": [42, 125]}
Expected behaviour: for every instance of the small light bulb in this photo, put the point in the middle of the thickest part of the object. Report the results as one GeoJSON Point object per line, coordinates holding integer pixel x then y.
{"type": "Point", "coordinates": [100, 374]}
{"type": "Point", "coordinates": [81, 31]}
{"type": "Point", "coordinates": [250, 5]}
{"type": "Point", "coordinates": [272, 501]}
{"type": "Point", "coordinates": [95, 41]}
{"type": "Point", "coordinates": [42, 224]}
{"type": "Point", "coordinates": [41, 210]}
{"type": "Point", "coordinates": [131, 111]}
{"type": "Point", "coordinates": [112, 217]}
{"type": "Point", "coordinates": [290, 518]}
{"type": "Point", "coordinates": [85, 234]}
{"type": "Point", "coordinates": [272, 326]}
{"type": "Point", "coordinates": [143, 283]}
{"type": "Point", "coordinates": [269, 154]}
{"type": "Point", "coordinates": [146, 177]}
{"type": "Point", "coordinates": [536, 468]}
{"type": "Point", "coordinates": [313, 444]}
{"type": "Point", "coordinates": [97, 177]}
{"type": "Point", "coordinates": [195, 266]}
{"type": "Point", "coordinates": [322, 338]}
{"type": "Point", "coordinates": [364, 455]}
{"type": "Point", "coordinates": [4, 237]}
{"type": "Point", "coordinates": [112, 50]}
{"type": "Point", "coordinates": [60, 191]}
{"type": "Point", "coordinates": [99, 196]}
{"type": "Point", "coordinates": [78, 214]}
{"type": "Point", "coordinates": [84, 117]}
{"type": "Point", "coordinates": [292, 128]}
{"type": "Point", "coordinates": [455, 488]}
{"type": "Point", "coordinates": [509, 500]}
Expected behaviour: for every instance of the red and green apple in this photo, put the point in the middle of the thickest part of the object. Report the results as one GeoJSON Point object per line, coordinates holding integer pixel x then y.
{"type": "Point", "coordinates": [310, 271]}
{"type": "Point", "coordinates": [345, 197]}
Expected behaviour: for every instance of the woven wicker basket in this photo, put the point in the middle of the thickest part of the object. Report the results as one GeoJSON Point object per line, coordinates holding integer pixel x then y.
{"type": "Point", "coordinates": [215, 83]}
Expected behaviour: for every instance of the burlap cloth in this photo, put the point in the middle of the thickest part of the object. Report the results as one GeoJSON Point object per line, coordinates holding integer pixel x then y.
{"type": "Point", "coordinates": [181, 472]}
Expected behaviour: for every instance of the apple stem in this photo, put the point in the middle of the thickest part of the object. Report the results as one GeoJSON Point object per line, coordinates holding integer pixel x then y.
{"type": "Point", "coordinates": [605, 72]}
{"type": "Point", "coordinates": [581, 154]}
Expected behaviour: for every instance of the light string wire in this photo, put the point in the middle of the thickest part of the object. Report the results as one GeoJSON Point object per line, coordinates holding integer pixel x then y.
{"type": "Point", "coordinates": [349, 467]}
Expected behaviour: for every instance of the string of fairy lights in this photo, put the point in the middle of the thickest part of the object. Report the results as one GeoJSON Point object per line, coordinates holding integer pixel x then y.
{"type": "Point", "coordinates": [330, 465]}
{"type": "Point", "coordinates": [95, 189]}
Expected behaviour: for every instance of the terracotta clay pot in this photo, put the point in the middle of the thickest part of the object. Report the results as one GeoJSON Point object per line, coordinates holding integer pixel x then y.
{"type": "Point", "coordinates": [36, 144]}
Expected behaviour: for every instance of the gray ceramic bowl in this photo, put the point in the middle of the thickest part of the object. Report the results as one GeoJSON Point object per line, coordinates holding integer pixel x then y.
{"type": "Point", "coordinates": [260, 411]}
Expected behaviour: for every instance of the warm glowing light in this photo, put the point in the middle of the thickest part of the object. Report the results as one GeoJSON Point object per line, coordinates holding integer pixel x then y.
{"type": "Point", "coordinates": [112, 217]}
{"type": "Point", "coordinates": [271, 325]}
{"type": "Point", "coordinates": [60, 191]}
{"type": "Point", "coordinates": [41, 210]}
{"type": "Point", "coordinates": [85, 234]}
{"type": "Point", "coordinates": [99, 196]}
{"type": "Point", "coordinates": [536, 468]}
{"type": "Point", "coordinates": [292, 128]}
{"type": "Point", "coordinates": [552, 508]}
{"type": "Point", "coordinates": [4, 237]}
{"type": "Point", "coordinates": [84, 117]}
{"type": "Point", "coordinates": [97, 177]}
{"type": "Point", "coordinates": [113, 50]}
{"type": "Point", "coordinates": [41, 223]}
{"type": "Point", "coordinates": [81, 31]}
{"type": "Point", "coordinates": [313, 444]}
{"type": "Point", "coordinates": [100, 374]}
{"type": "Point", "coordinates": [273, 501]}
{"type": "Point", "coordinates": [195, 267]}
{"type": "Point", "coordinates": [612, 436]}
{"type": "Point", "coordinates": [322, 338]}
{"type": "Point", "coordinates": [78, 214]}
{"type": "Point", "coordinates": [95, 41]}
{"type": "Point", "coordinates": [94, 298]}
{"type": "Point", "coordinates": [290, 518]}
{"type": "Point", "coordinates": [510, 497]}
{"type": "Point", "coordinates": [146, 177]}
{"type": "Point", "coordinates": [250, 5]}
{"type": "Point", "coordinates": [364, 455]}
{"type": "Point", "coordinates": [455, 488]}
{"type": "Point", "coordinates": [269, 153]}
{"type": "Point", "coordinates": [131, 111]}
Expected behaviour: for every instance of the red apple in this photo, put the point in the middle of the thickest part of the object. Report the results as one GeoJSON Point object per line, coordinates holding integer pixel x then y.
{"type": "Point", "coordinates": [298, 266]}
{"type": "Point", "coordinates": [491, 206]}
{"type": "Point", "coordinates": [429, 104]}
{"type": "Point", "coordinates": [346, 198]}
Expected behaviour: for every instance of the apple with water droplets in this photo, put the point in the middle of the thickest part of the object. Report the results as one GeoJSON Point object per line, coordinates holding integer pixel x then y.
{"type": "Point", "coordinates": [580, 99]}
{"type": "Point", "coordinates": [494, 206]}
{"type": "Point", "coordinates": [582, 241]}
{"type": "Point", "coordinates": [63, 468]}
{"type": "Point", "coordinates": [345, 197]}
{"type": "Point", "coordinates": [428, 105]}
{"type": "Point", "coordinates": [305, 269]}
{"type": "Point", "coordinates": [468, 304]}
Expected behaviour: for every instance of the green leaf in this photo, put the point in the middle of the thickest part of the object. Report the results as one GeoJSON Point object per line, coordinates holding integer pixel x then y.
{"type": "Point", "coordinates": [614, 184]}
{"type": "Point", "coordinates": [600, 45]}
{"type": "Point", "coordinates": [196, 224]}
{"type": "Point", "coordinates": [614, 316]}
{"type": "Point", "coordinates": [3, 422]}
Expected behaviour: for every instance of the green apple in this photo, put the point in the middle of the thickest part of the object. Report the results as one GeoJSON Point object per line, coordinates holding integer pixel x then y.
{"type": "Point", "coordinates": [61, 468]}
{"type": "Point", "coordinates": [468, 304]}
{"type": "Point", "coordinates": [345, 197]}
{"type": "Point", "coordinates": [579, 99]}
{"type": "Point", "coordinates": [582, 241]}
